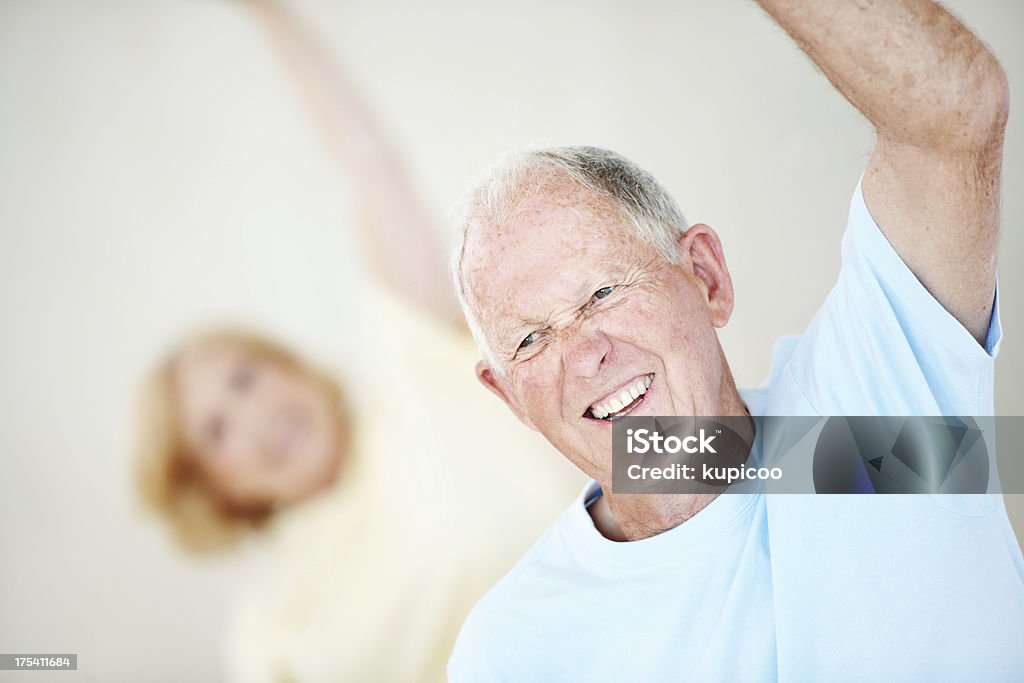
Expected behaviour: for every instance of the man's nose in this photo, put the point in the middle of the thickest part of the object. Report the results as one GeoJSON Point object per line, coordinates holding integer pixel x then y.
{"type": "Point", "coordinates": [585, 349]}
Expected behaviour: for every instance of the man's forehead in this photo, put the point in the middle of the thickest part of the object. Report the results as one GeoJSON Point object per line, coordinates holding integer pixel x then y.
{"type": "Point", "coordinates": [544, 230]}
{"type": "Point", "coordinates": [551, 252]}
{"type": "Point", "coordinates": [569, 217]}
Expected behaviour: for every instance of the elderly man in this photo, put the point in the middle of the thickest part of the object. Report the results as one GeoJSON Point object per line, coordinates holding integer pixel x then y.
{"type": "Point", "coordinates": [591, 300]}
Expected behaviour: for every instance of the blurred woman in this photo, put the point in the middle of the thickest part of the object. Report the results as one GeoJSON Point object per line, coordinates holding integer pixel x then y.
{"type": "Point", "coordinates": [373, 511]}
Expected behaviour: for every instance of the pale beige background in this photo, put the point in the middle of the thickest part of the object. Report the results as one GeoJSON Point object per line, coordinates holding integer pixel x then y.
{"type": "Point", "coordinates": [156, 174]}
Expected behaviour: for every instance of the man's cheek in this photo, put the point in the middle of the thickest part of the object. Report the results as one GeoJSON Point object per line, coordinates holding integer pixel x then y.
{"type": "Point", "coordinates": [535, 397]}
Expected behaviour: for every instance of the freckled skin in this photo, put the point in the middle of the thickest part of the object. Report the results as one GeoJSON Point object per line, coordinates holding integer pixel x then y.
{"type": "Point", "coordinates": [539, 272]}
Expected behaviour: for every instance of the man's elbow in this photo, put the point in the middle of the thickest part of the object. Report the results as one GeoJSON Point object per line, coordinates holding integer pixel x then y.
{"type": "Point", "coordinates": [975, 122]}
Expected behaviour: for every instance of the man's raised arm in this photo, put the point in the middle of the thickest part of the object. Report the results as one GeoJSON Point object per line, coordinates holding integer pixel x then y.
{"type": "Point", "coordinates": [938, 100]}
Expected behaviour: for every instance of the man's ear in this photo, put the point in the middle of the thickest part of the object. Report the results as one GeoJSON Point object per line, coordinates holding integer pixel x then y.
{"type": "Point", "coordinates": [500, 388]}
{"type": "Point", "coordinates": [702, 248]}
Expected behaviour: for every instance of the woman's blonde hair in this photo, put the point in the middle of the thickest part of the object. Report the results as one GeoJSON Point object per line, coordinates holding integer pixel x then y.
{"type": "Point", "coordinates": [167, 472]}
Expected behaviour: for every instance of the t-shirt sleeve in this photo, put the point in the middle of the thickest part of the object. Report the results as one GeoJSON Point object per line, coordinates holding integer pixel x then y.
{"type": "Point", "coordinates": [900, 587]}
{"type": "Point", "coordinates": [882, 344]}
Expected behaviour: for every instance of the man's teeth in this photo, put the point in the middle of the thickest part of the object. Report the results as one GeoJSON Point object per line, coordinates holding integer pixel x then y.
{"type": "Point", "coordinates": [623, 398]}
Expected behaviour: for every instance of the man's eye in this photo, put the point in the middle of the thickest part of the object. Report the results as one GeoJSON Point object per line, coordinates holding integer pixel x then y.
{"type": "Point", "coordinates": [529, 340]}
{"type": "Point", "coordinates": [603, 292]}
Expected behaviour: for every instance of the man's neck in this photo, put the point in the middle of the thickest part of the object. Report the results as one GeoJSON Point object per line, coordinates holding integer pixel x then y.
{"type": "Point", "coordinates": [631, 517]}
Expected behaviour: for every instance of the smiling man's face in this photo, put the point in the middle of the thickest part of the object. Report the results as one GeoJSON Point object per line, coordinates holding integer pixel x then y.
{"type": "Point", "coordinates": [589, 323]}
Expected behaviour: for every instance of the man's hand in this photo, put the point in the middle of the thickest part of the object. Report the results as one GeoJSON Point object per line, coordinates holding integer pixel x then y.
{"type": "Point", "coordinates": [939, 101]}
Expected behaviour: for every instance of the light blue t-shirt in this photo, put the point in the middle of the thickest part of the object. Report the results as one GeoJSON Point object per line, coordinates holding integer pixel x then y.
{"type": "Point", "coordinates": [790, 587]}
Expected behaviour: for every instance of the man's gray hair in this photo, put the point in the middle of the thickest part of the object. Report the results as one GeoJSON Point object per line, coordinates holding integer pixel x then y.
{"type": "Point", "coordinates": [649, 211]}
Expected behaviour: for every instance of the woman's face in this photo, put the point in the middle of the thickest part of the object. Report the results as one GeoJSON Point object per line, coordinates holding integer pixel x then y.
{"type": "Point", "coordinates": [263, 433]}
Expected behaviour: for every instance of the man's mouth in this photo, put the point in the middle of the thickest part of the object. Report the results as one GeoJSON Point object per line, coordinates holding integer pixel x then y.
{"type": "Point", "coordinates": [620, 403]}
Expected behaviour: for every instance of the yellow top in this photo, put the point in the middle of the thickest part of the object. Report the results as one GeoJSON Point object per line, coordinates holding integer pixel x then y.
{"type": "Point", "coordinates": [442, 492]}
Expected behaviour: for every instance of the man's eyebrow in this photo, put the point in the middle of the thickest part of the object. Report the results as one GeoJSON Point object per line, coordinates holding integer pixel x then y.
{"type": "Point", "coordinates": [612, 273]}
{"type": "Point", "coordinates": [520, 329]}
{"type": "Point", "coordinates": [515, 331]}
{"type": "Point", "coordinates": [577, 300]}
